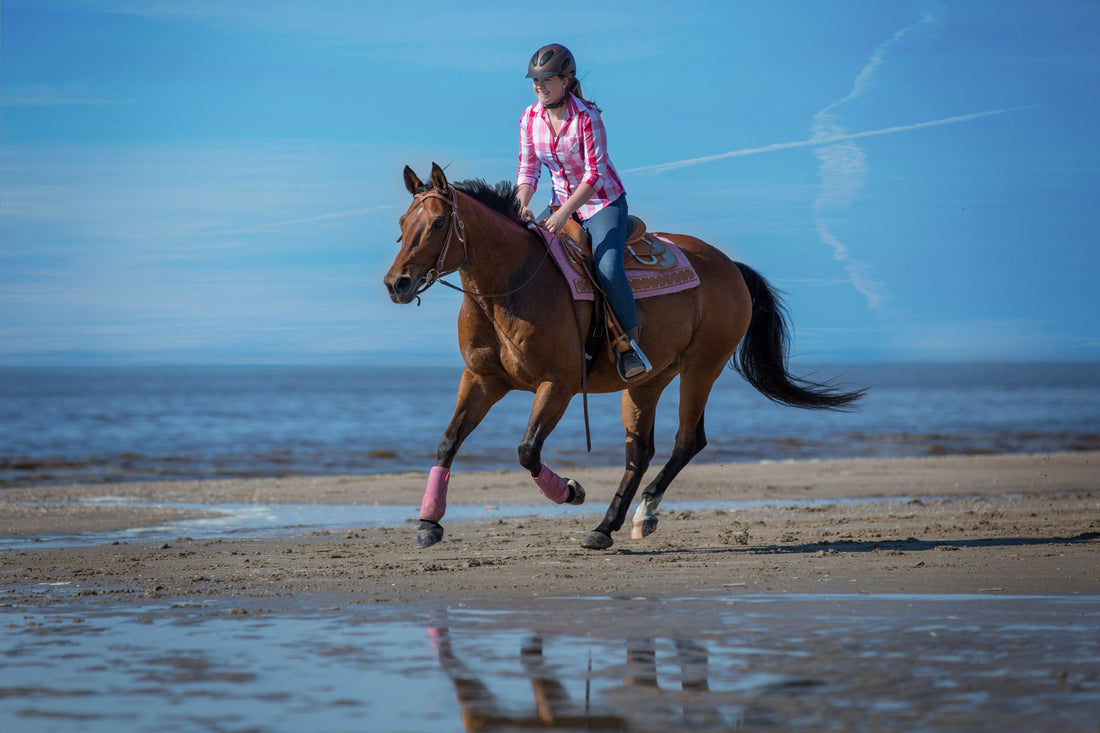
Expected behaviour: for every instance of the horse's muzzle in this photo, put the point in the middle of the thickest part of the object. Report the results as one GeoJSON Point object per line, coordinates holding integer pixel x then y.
{"type": "Point", "coordinates": [402, 289]}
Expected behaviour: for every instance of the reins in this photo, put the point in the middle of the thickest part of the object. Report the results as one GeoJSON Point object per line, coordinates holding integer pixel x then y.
{"type": "Point", "coordinates": [457, 229]}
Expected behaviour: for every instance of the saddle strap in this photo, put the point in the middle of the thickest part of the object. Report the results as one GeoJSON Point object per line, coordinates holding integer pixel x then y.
{"type": "Point", "coordinates": [617, 335]}
{"type": "Point", "coordinates": [589, 344]}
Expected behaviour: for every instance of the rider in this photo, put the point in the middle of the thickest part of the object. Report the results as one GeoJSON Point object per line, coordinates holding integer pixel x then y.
{"type": "Point", "coordinates": [564, 132]}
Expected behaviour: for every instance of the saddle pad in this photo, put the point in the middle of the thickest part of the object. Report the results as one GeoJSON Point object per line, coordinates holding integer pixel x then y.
{"type": "Point", "coordinates": [644, 283]}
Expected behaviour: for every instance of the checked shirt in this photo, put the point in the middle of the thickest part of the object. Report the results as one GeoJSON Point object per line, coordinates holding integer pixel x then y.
{"type": "Point", "coordinates": [578, 154]}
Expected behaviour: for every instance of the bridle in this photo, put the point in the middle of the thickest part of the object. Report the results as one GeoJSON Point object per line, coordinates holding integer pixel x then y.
{"type": "Point", "coordinates": [457, 230]}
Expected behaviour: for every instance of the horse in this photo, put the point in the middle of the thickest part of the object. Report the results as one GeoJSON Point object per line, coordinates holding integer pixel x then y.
{"type": "Point", "coordinates": [519, 328]}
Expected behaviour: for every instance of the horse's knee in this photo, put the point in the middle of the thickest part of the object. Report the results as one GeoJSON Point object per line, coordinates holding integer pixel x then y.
{"type": "Point", "coordinates": [606, 271]}
{"type": "Point", "coordinates": [530, 457]}
{"type": "Point", "coordinates": [445, 453]}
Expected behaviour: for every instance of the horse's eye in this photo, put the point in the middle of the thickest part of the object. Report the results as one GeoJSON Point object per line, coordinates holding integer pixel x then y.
{"type": "Point", "coordinates": [438, 223]}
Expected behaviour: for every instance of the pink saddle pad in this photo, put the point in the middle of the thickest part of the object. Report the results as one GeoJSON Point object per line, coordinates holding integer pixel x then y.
{"type": "Point", "coordinates": [645, 283]}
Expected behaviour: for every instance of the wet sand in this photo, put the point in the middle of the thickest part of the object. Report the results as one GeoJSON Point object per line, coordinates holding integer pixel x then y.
{"type": "Point", "coordinates": [1017, 525]}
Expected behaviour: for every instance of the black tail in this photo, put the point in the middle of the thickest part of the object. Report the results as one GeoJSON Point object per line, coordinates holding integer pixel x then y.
{"type": "Point", "coordinates": [762, 356]}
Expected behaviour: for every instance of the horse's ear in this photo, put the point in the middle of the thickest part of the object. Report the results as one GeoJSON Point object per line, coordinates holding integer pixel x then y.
{"type": "Point", "coordinates": [412, 181]}
{"type": "Point", "coordinates": [439, 179]}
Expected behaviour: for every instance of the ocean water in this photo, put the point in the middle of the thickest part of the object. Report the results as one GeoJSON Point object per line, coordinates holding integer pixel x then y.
{"type": "Point", "coordinates": [130, 424]}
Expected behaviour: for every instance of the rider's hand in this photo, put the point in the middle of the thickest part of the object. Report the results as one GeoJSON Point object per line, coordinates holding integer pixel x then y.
{"type": "Point", "coordinates": [556, 221]}
{"type": "Point", "coordinates": [526, 214]}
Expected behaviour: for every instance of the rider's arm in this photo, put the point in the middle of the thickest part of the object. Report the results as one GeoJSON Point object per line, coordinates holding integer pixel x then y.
{"type": "Point", "coordinates": [575, 201]}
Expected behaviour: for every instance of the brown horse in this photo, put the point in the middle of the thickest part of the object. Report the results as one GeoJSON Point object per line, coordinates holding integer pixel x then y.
{"type": "Point", "coordinates": [520, 329]}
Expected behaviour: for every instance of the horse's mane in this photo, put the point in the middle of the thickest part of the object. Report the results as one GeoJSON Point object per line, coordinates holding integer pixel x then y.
{"type": "Point", "coordinates": [500, 198]}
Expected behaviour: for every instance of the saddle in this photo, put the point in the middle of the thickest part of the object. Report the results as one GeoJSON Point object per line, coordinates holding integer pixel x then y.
{"type": "Point", "coordinates": [644, 251]}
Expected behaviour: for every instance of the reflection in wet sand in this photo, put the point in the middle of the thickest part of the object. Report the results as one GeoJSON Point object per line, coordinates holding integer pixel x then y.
{"type": "Point", "coordinates": [481, 710]}
{"type": "Point", "coordinates": [821, 662]}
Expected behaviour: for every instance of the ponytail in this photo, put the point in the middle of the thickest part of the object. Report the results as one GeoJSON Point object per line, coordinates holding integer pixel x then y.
{"type": "Point", "coordinates": [575, 90]}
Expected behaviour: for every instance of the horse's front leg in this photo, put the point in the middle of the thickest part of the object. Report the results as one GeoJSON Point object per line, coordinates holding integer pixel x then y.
{"type": "Point", "coordinates": [639, 410]}
{"type": "Point", "coordinates": [551, 399]}
{"type": "Point", "coordinates": [476, 394]}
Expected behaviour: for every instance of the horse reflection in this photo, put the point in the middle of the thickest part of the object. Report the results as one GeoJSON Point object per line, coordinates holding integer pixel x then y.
{"type": "Point", "coordinates": [481, 710]}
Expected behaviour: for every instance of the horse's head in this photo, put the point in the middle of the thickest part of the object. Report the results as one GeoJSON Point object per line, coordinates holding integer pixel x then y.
{"type": "Point", "coordinates": [430, 231]}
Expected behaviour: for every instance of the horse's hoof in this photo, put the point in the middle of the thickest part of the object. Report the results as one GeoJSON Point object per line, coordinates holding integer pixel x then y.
{"type": "Point", "coordinates": [597, 540]}
{"type": "Point", "coordinates": [576, 492]}
{"type": "Point", "coordinates": [429, 533]}
{"type": "Point", "coordinates": [643, 528]}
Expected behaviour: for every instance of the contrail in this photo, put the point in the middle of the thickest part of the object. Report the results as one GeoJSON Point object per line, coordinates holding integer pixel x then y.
{"type": "Point", "coordinates": [311, 219]}
{"type": "Point", "coordinates": [843, 171]}
{"type": "Point", "coordinates": [816, 142]}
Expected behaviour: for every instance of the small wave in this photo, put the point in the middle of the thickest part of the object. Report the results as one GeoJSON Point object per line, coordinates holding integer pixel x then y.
{"type": "Point", "coordinates": [25, 471]}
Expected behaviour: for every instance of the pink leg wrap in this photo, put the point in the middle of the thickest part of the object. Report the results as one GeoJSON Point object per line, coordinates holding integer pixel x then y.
{"type": "Point", "coordinates": [435, 496]}
{"type": "Point", "coordinates": [552, 485]}
{"type": "Point", "coordinates": [440, 639]}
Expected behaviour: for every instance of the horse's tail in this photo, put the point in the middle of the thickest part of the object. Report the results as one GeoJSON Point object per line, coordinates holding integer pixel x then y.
{"type": "Point", "coordinates": [762, 356]}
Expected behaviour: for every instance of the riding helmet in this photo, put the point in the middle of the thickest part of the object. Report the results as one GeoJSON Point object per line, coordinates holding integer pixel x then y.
{"type": "Point", "coordinates": [552, 60]}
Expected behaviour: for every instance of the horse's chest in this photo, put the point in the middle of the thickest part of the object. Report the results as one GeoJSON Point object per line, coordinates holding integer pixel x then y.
{"type": "Point", "coordinates": [489, 348]}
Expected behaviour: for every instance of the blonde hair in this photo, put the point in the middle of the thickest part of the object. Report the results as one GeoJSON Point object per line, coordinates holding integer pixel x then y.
{"type": "Point", "coordinates": [574, 88]}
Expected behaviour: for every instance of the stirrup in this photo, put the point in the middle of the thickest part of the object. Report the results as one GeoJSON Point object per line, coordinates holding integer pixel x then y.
{"type": "Point", "coordinates": [639, 366]}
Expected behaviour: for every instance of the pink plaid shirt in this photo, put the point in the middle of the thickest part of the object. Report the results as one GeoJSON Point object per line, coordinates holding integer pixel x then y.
{"type": "Point", "coordinates": [577, 155]}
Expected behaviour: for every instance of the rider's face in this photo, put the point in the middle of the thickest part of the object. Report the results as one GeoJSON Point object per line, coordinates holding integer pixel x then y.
{"type": "Point", "coordinates": [550, 90]}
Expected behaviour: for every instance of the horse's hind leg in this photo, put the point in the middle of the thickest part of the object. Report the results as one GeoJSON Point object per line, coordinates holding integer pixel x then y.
{"type": "Point", "coordinates": [690, 439]}
{"type": "Point", "coordinates": [639, 408]}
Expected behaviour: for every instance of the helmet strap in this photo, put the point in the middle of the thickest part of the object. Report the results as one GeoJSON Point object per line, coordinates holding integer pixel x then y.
{"type": "Point", "coordinates": [560, 102]}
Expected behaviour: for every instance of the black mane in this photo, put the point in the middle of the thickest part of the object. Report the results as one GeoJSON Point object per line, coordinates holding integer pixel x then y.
{"type": "Point", "coordinates": [500, 198]}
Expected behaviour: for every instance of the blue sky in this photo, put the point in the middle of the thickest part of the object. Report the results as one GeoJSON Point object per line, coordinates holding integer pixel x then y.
{"type": "Point", "coordinates": [219, 182]}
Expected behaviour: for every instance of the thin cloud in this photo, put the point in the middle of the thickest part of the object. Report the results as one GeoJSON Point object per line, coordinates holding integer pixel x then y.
{"type": "Point", "coordinates": [312, 219]}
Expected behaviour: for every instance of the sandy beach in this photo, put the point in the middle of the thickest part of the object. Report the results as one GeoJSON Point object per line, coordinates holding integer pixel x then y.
{"type": "Point", "coordinates": [1011, 524]}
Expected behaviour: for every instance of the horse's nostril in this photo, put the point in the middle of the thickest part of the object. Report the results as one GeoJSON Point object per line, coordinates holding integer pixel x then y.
{"type": "Point", "coordinates": [397, 285]}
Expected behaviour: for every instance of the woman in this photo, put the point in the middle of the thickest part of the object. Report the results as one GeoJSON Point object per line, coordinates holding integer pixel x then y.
{"type": "Point", "coordinates": [564, 132]}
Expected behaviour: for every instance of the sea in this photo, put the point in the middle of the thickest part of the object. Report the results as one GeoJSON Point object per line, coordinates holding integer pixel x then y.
{"type": "Point", "coordinates": [90, 425]}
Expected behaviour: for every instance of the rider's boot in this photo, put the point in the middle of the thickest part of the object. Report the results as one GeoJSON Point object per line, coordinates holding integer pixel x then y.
{"type": "Point", "coordinates": [632, 362]}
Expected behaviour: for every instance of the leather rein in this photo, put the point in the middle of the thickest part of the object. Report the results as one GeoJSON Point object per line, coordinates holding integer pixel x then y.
{"type": "Point", "coordinates": [457, 230]}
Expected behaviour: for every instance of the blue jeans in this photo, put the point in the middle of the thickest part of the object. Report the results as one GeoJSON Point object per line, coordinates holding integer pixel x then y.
{"type": "Point", "coordinates": [607, 227]}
